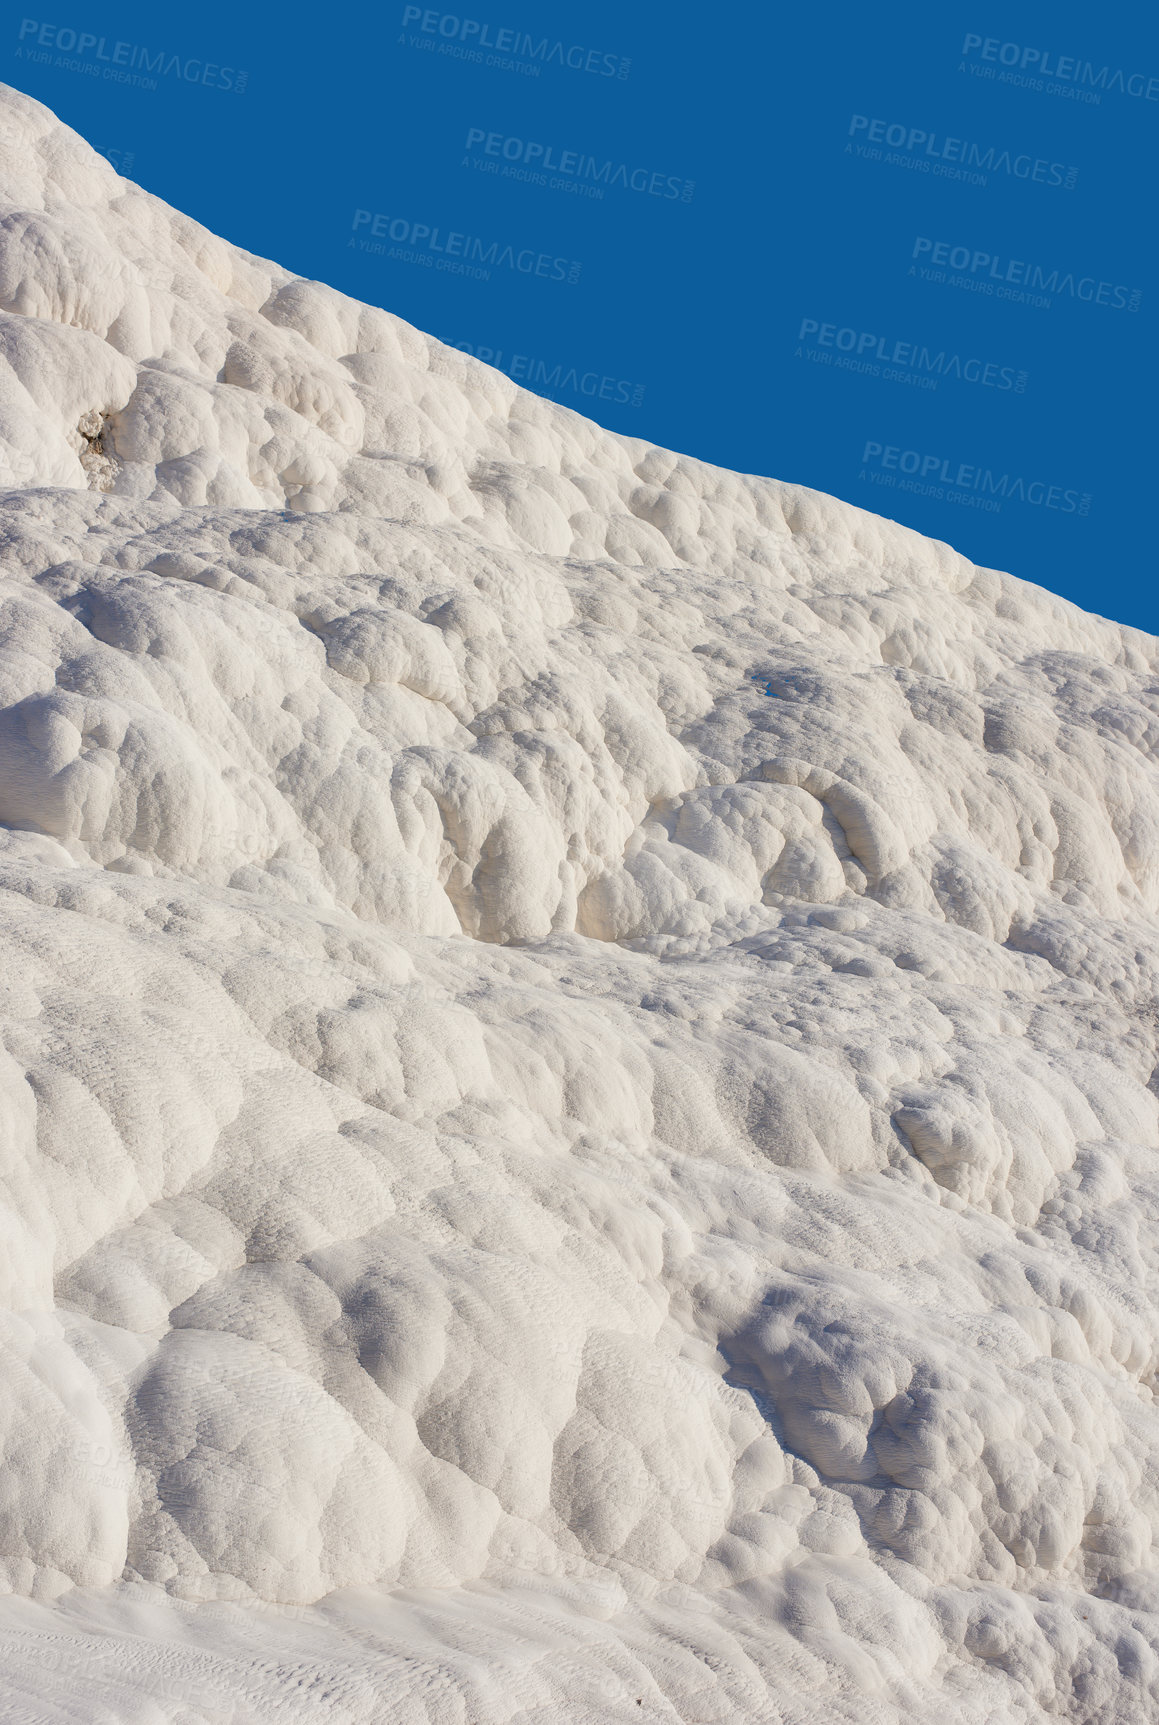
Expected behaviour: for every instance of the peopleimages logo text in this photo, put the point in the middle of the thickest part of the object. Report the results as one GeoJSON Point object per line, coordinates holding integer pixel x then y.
{"type": "Point", "coordinates": [915, 141]}
{"type": "Point", "coordinates": [1045, 63]}
{"type": "Point", "coordinates": [968, 479]}
{"type": "Point", "coordinates": [865, 344]}
{"type": "Point", "coordinates": [470, 33]}
{"type": "Point", "coordinates": [543, 378]}
{"type": "Point", "coordinates": [542, 159]}
{"type": "Point", "coordinates": [123, 61]}
{"type": "Point", "coordinates": [462, 254]}
{"type": "Point", "coordinates": [1033, 277]}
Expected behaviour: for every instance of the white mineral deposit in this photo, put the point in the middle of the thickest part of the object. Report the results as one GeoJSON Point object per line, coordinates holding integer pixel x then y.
{"type": "Point", "coordinates": [580, 1134]}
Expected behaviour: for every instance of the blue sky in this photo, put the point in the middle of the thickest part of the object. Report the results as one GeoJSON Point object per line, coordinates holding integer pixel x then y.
{"type": "Point", "coordinates": [904, 255]}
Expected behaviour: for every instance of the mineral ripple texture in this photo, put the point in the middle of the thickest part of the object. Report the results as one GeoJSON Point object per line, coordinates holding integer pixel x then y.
{"type": "Point", "coordinates": [578, 1099]}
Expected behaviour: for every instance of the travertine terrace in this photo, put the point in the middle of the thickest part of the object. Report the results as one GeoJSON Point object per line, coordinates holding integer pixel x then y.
{"type": "Point", "coordinates": [578, 1035]}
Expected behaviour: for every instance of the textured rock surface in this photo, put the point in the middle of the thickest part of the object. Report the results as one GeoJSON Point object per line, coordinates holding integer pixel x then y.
{"type": "Point", "coordinates": [578, 1041]}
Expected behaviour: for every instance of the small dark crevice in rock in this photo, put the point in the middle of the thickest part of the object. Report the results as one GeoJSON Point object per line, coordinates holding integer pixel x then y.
{"type": "Point", "coordinates": [96, 455]}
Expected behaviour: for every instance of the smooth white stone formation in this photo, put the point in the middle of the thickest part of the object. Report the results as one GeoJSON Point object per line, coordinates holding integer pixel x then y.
{"type": "Point", "coordinates": [579, 1124]}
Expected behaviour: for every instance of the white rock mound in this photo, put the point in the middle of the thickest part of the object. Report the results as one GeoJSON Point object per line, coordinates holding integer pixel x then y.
{"type": "Point", "coordinates": [579, 1123]}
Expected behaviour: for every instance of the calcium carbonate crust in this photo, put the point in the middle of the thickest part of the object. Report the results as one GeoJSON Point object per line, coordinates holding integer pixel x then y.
{"type": "Point", "coordinates": [578, 1049]}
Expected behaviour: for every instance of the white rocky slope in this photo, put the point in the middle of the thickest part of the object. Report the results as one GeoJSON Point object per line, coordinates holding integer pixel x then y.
{"type": "Point", "coordinates": [578, 1124]}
